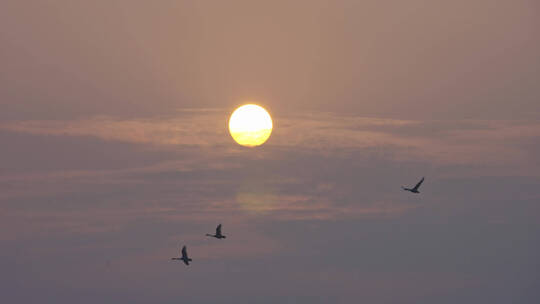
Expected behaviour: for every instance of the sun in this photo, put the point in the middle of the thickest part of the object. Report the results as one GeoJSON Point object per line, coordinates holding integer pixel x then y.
{"type": "Point", "coordinates": [250, 125]}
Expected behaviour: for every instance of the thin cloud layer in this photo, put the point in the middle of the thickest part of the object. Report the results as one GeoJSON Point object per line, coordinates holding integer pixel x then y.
{"type": "Point", "coordinates": [444, 142]}
{"type": "Point", "coordinates": [323, 193]}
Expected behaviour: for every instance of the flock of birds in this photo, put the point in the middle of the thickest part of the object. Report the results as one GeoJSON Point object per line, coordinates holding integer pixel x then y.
{"type": "Point", "coordinates": [218, 235]}
{"type": "Point", "coordinates": [185, 258]}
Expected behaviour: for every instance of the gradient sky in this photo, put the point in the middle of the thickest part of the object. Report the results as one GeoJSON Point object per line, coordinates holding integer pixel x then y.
{"type": "Point", "coordinates": [115, 151]}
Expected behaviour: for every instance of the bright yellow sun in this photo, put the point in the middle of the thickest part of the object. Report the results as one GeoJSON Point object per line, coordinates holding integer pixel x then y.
{"type": "Point", "coordinates": [250, 125]}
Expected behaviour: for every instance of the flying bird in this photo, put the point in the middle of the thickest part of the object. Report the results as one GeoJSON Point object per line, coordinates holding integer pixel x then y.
{"type": "Point", "coordinates": [218, 234]}
{"type": "Point", "coordinates": [184, 257]}
{"type": "Point", "coordinates": [415, 189]}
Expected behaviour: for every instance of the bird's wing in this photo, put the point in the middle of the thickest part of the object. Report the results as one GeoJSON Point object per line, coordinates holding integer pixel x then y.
{"type": "Point", "coordinates": [419, 183]}
{"type": "Point", "coordinates": [184, 252]}
{"type": "Point", "coordinates": [218, 229]}
{"type": "Point", "coordinates": [186, 262]}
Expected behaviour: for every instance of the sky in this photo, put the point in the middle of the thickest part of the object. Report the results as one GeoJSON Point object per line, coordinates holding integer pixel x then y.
{"type": "Point", "coordinates": [115, 151]}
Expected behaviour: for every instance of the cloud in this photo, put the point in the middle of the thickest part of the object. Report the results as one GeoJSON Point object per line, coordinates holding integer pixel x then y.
{"type": "Point", "coordinates": [445, 141]}
{"type": "Point", "coordinates": [191, 153]}
{"type": "Point", "coordinates": [322, 193]}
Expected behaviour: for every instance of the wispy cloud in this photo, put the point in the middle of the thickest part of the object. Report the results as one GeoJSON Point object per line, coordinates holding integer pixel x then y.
{"type": "Point", "coordinates": [124, 192]}
{"type": "Point", "coordinates": [203, 157]}
{"type": "Point", "coordinates": [466, 142]}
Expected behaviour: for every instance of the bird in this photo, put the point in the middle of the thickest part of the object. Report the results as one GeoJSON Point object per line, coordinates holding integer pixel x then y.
{"type": "Point", "coordinates": [415, 189]}
{"type": "Point", "coordinates": [184, 257]}
{"type": "Point", "coordinates": [218, 234]}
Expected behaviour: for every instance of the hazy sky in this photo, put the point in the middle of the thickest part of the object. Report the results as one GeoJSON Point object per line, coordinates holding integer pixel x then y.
{"type": "Point", "coordinates": [115, 151]}
{"type": "Point", "coordinates": [404, 59]}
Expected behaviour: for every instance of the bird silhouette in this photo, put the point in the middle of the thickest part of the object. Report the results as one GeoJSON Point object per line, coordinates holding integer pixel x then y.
{"type": "Point", "coordinates": [218, 234]}
{"type": "Point", "coordinates": [184, 256]}
{"type": "Point", "coordinates": [415, 189]}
